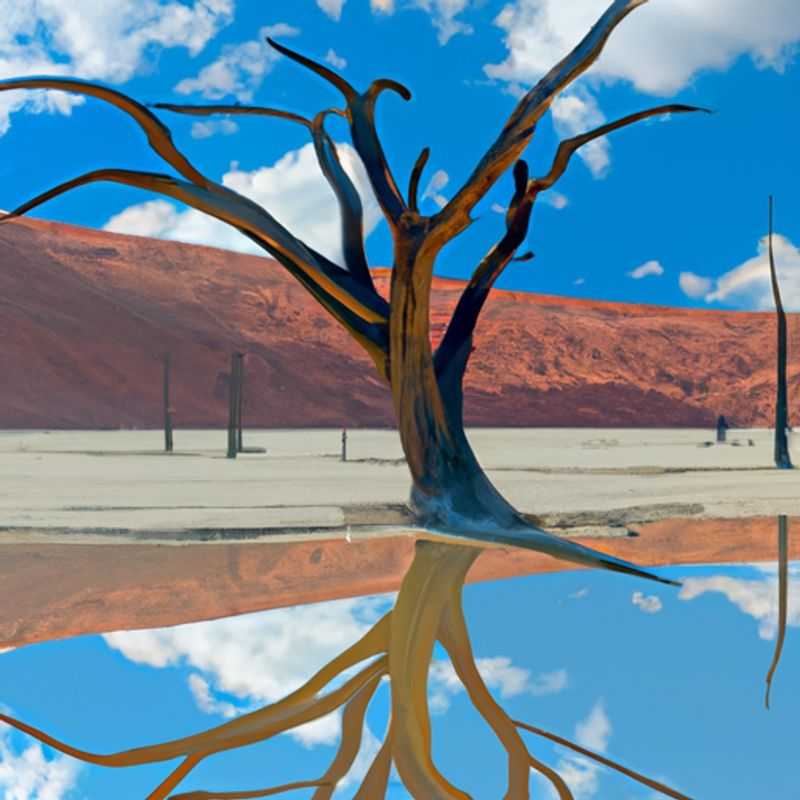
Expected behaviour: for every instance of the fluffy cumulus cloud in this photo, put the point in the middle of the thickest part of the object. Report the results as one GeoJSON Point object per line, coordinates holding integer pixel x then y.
{"type": "Point", "coordinates": [27, 774]}
{"type": "Point", "coordinates": [646, 269]}
{"type": "Point", "coordinates": [659, 48]}
{"type": "Point", "coordinates": [240, 69]}
{"type": "Point", "coordinates": [247, 661]}
{"type": "Point", "coordinates": [499, 673]}
{"type": "Point", "coordinates": [694, 286]}
{"type": "Point", "coordinates": [756, 597]}
{"type": "Point", "coordinates": [748, 284]}
{"type": "Point", "coordinates": [82, 38]}
{"type": "Point", "coordinates": [648, 603]}
{"type": "Point", "coordinates": [579, 773]}
{"type": "Point", "coordinates": [444, 15]}
{"type": "Point", "coordinates": [333, 8]}
{"type": "Point", "coordinates": [293, 190]}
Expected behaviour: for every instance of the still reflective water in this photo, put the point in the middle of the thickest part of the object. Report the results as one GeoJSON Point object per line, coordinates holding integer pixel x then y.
{"type": "Point", "coordinates": [670, 682]}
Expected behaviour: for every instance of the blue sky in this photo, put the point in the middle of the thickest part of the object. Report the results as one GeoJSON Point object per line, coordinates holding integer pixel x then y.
{"type": "Point", "coordinates": [667, 212]}
{"type": "Point", "coordinates": [669, 681]}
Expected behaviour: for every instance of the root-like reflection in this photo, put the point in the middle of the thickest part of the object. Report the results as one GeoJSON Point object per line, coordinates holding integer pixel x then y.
{"type": "Point", "coordinates": [399, 647]}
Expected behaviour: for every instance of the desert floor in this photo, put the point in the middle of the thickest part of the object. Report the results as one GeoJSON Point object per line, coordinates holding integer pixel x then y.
{"type": "Point", "coordinates": [121, 480]}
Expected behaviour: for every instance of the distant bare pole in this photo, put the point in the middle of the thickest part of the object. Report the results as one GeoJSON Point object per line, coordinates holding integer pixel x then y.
{"type": "Point", "coordinates": [239, 445]}
{"type": "Point", "coordinates": [167, 409]}
{"type": "Point", "coordinates": [234, 391]}
{"type": "Point", "coordinates": [782, 458]}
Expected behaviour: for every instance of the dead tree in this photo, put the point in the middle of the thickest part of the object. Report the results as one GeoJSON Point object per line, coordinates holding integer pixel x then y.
{"type": "Point", "coordinates": [782, 458]}
{"type": "Point", "coordinates": [450, 491]}
{"type": "Point", "coordinates": [240, 406]}
{"type": "Point", "coordinates": [167, 409]}
{"type": "Point", "coordinates": [451, 497]}
{"type": "Point", "coordinates": [234, 406]}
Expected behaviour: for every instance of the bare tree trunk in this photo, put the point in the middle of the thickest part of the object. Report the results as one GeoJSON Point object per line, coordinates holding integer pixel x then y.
{"type": "Point", "coordinates": [233, 406]}
{"type": "Point", "coordinates": [450, 489]}
{"type": "Point", "coordinates": [167, 409]}
{"type": "Point", "coordinates": [782, 458]}
{"type": "Point", "coordinates": [239, 445]}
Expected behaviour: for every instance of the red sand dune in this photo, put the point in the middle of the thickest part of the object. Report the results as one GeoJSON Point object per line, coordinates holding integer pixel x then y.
{"type": "Point", "coordinates": [86, 316]}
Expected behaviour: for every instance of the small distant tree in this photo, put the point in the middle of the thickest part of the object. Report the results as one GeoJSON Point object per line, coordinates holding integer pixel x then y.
{"type": "Point", "coordinates": [782, 457]}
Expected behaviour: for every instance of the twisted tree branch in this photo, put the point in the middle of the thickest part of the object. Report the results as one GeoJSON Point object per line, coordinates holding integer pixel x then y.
{"type": "Point", "coordinates": [350, 206]}
{"type": "Point", "coordinates": [520, 126]}
{"type": "Point", "coordinates": [361, 116]}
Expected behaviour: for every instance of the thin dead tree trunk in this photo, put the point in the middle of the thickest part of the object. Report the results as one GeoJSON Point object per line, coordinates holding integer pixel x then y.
{"type": "Point", "coordinates": [782, 458]}
{"type": "Point", "coordinates": [233, 406]}
{"type": "Point", "coordinates": [167, 409]}
{"type": "Point", "coordinates": [240, 407]}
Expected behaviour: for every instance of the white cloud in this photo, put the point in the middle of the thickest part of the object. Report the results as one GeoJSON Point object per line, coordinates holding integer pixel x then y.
{"type": "Point", "coordinates": [82, 38]}
{"type": "Point", "coordinates": [333, 8]}
{"type": "Point", "coordinates": [748, 284]}
{"type": "Point", "coordinates": [583, 592]}
{"type": "Point", "coordinates": [28, 775]}
{"type": "Point", "coordinates": [692, 285]}
{"type": "Point", "coordinates": [579, 281]}
{"type": "Point", "coordinates": [648, 268]}
{"type": "Point", "coordinates": [659, 48]}
{"type": "Point", "coordinates": [648, 603]}
{"type": "Point", "coordinates": [203, 130]}
{"type": "Point", "coordinates": [556, 199]}
{"type": "Point", "coordinates": [443, 16]}
{"type": "Point", "coordinates": [438, 181]}
{"type": "Point", "coordinates": [756, 598]}
{"type": "Point", "coordinates": [382, 6]}
{"type": "Point", "coordinates": [204, 697]}
{"type": "Point", "coordinates": [335, 60]}
{"type": "Point", "coordinates": [256, 658]}
{"type": "Point", "coordinates": [579, 773]}
{"type": "Point", "coordinates": [498, 673]}
{"type": "Point", "coordinates": [240, 69]}
{"type": "Point", "coordinates": [293, 190]}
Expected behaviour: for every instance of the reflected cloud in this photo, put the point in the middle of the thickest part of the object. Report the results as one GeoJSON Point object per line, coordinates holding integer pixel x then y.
{"type": "Point", "coordinates": [648, 603]}
{"type": "Point", "coordinates": [756, 597]}
{"type": "Point", "coordinates": [256, 659]}
{"type": "Point", "coordinates": [499, 673]}
{"type": "Point", "coordinates": [27, 774]}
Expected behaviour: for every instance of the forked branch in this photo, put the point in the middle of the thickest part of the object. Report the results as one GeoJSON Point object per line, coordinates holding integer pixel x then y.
{"type": "Point", "coordinates": [350, 207]}
{"type": "Point", "coordinates": [363, 131]}
{"type": "Point", "coordinates": [453, 352]}
{"type": "Point", "coordinates": [520, 126]}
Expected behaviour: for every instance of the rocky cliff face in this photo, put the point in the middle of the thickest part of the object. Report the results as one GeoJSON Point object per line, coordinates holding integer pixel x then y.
{"type": "Point", "coordinates": [85, 317]}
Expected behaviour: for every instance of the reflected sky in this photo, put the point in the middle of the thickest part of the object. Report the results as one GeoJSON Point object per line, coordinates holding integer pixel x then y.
{"type": "Point", "coordinates": [668, 681]}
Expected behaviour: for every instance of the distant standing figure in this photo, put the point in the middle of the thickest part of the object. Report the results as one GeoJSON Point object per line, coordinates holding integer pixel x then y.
{"type": "Point", "coordinates": [722, 428]}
